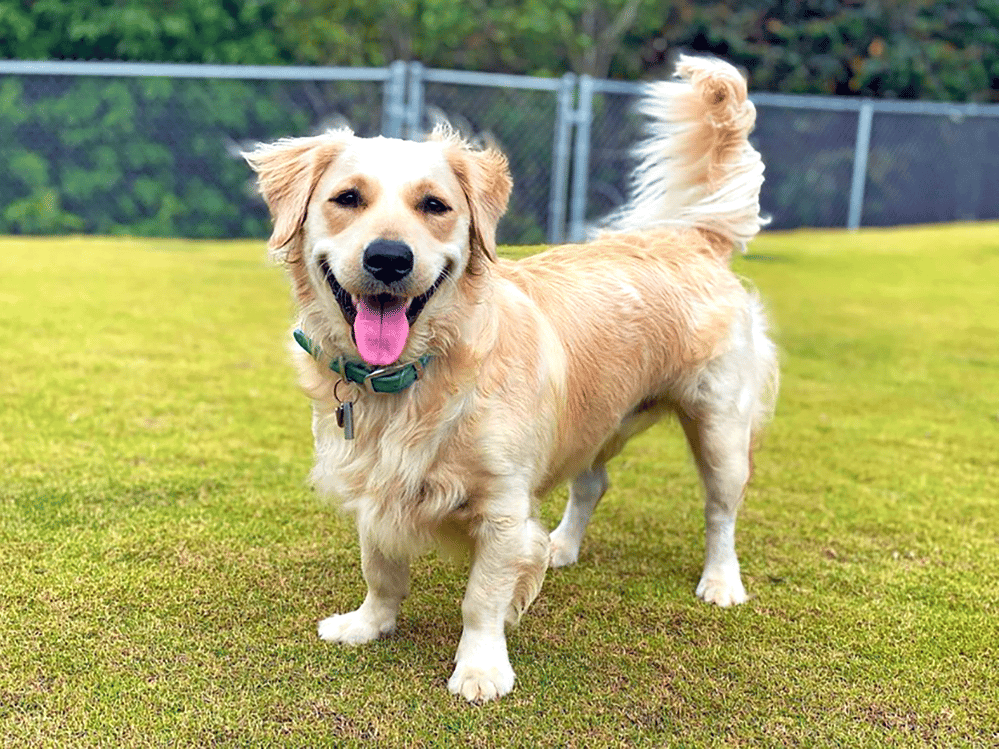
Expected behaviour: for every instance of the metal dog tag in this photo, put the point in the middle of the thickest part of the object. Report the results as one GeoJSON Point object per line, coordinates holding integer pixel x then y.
{"type": "Point", "coordinates": [345, 419]}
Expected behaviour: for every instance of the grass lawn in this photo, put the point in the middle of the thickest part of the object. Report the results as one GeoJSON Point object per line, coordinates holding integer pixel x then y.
{"type": "Point", "coordinates": [163, 566]}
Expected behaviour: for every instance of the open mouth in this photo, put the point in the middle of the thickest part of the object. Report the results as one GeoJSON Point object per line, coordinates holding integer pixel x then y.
{"type": "Point", "coordinates": [380, 322]}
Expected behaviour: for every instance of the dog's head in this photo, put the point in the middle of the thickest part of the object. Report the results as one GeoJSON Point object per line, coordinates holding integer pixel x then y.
{"type": "Point", "coordinates": [377, 231]}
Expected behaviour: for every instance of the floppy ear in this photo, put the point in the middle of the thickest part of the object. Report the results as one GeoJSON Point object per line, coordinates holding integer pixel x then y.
{"type": "Point", "coordinates": [485, 179]}
{"type": "Point", "coordinates": [288, 171]}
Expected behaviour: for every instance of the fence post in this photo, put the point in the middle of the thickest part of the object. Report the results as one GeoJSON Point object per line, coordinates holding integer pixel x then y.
{"type": "Point", "coordinates": [560, 159]}
{"type": "Point", "coordinates": [414, 101]}
{"type": "Point", "coordinates": [581, 159]}
{"type": "Point", "coordinates": [860, 165]}
{"type": "Point", "coordinates": [394, 100]}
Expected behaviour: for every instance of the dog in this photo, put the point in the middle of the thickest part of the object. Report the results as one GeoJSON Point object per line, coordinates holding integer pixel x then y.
{"type": "Point", "coordinates": [452, 389]}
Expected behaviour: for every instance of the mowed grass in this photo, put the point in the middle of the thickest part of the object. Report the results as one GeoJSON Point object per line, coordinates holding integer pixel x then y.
{"type": "Point", "coordinates": [163, 565]}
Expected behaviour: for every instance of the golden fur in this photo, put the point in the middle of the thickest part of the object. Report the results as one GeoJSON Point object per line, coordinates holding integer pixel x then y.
{"type": "Point", "coordinates": [542, 368]}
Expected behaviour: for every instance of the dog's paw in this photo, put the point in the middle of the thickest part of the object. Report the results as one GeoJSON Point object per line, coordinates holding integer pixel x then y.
{"type": "Point", "coordinates": [562, 551]}
{"type": "Point", "coordinates": [722, 587]}
{"type": "Point", "coordinates": [355, 628]}
{"type": "Point", "coordinates": [482, 681]}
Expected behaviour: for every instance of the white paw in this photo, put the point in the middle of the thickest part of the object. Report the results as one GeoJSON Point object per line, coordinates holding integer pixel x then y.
{"type": "Point", "coordinates": [562, 551]}
{"type": "Point", "coordinates": [355, 628]}
{"type": "Point", "coordinates": [482, 681]}
{"type": "Point", "coordinates": [721, 586]}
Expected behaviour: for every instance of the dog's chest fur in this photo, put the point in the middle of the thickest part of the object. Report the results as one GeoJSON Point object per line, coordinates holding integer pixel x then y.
{"type": "Point", "coordinates": [417, 467]}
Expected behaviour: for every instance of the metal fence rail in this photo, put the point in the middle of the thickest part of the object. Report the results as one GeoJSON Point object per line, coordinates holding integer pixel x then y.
{"type": "Point", "coordinates": [150, 148]}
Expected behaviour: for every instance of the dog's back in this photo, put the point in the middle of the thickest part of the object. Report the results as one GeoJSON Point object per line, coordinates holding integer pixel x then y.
{"type": "Point", "coordinates": [643, 308]}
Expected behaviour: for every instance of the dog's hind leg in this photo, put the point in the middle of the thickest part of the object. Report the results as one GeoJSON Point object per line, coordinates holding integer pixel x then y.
{"type": "Point", "coordinates": [734, 396]}
{"type": "Point", "coordinates": [585, 492]}
{"type": "Point", "coordinates": [388, 584]}
{"type": "Point", "coordinates": [721, 447]}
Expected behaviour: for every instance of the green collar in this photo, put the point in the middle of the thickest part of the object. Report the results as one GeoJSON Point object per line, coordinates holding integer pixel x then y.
{"type": "Point", "coordinates": [391, 379]}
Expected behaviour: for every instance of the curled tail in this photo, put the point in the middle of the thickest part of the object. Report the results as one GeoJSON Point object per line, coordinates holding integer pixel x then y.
{"type": "Point", "coordinates": [696, 167]}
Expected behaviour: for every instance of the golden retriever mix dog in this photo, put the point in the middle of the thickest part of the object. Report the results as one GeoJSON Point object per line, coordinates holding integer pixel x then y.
{"type": "Point", "coordinates": [452, 389]}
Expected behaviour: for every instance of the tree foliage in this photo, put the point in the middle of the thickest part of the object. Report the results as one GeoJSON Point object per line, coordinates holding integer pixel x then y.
{"type": "Point", "coordinates": [925, 49]}
{"type": "Point", "coordinates": [909, 49]}
{"type": "Point", "coordinates": [511, 36]}
{"type": "Point", "coordinates": [210, 31]}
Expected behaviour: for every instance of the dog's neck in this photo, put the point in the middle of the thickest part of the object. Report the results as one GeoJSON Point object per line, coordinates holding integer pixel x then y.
{"type": "Point", "coordinates": [390, 379]}
{"type": "Point", "coordinates": [454, 341]}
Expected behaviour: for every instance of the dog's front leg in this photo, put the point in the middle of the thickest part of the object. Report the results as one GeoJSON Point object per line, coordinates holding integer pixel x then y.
{"type": "Point", "coordinates": [510, 556]}
{"type": "Point", "coordinates": [388, 582]}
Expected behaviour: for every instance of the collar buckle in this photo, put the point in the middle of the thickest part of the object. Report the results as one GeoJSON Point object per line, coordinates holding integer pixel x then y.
{"type": "Point", "coordinates": [417, 365]}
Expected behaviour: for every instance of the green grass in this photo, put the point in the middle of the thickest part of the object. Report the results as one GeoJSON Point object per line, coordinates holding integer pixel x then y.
{"type": "Point", "coordinates": [164, 565]}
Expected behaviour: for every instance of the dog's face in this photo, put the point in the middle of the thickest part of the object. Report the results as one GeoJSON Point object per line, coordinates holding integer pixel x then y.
{"type": "Point", "coordinates": [378, 231]}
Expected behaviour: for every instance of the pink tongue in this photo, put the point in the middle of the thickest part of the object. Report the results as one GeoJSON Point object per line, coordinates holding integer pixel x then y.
{"type": "Point", "coordinates": [380, 333]}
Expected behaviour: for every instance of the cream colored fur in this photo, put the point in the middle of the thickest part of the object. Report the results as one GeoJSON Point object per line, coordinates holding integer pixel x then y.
{"type": "Point", "coordinates": [542, 368]}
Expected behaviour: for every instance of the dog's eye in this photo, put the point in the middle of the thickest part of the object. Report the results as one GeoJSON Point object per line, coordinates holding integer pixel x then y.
{"type": "Point", "coordinates": [433, 205]}
{"type": "Point", "coordinates": [348, 198]}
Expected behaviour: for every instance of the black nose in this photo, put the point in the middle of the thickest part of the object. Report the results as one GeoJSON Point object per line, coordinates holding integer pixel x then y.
{"type": "Point", "coordinates": [387, 260]}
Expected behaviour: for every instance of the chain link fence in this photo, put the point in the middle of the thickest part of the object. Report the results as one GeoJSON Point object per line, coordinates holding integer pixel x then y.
{"type": "Point", "coordinates": [152, 149]}
{"type": "Point", "coordinates": [829, 161]}
{"type": "Point", "coordinates": [526, 118]}
{"type": "Point", "coordinates": [930, 168]}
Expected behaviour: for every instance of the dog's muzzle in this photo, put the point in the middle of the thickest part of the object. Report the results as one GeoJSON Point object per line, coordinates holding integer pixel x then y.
{"type": "Point", "coordinates": [381, 321]}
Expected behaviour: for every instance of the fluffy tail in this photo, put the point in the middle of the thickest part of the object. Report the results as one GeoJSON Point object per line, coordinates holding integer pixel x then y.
{"type": "Point", "coordinates": [696, 167]}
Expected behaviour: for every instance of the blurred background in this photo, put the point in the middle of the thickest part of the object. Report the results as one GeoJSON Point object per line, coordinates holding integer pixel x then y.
{"type": "Point", "coordinates": [120, 117]}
